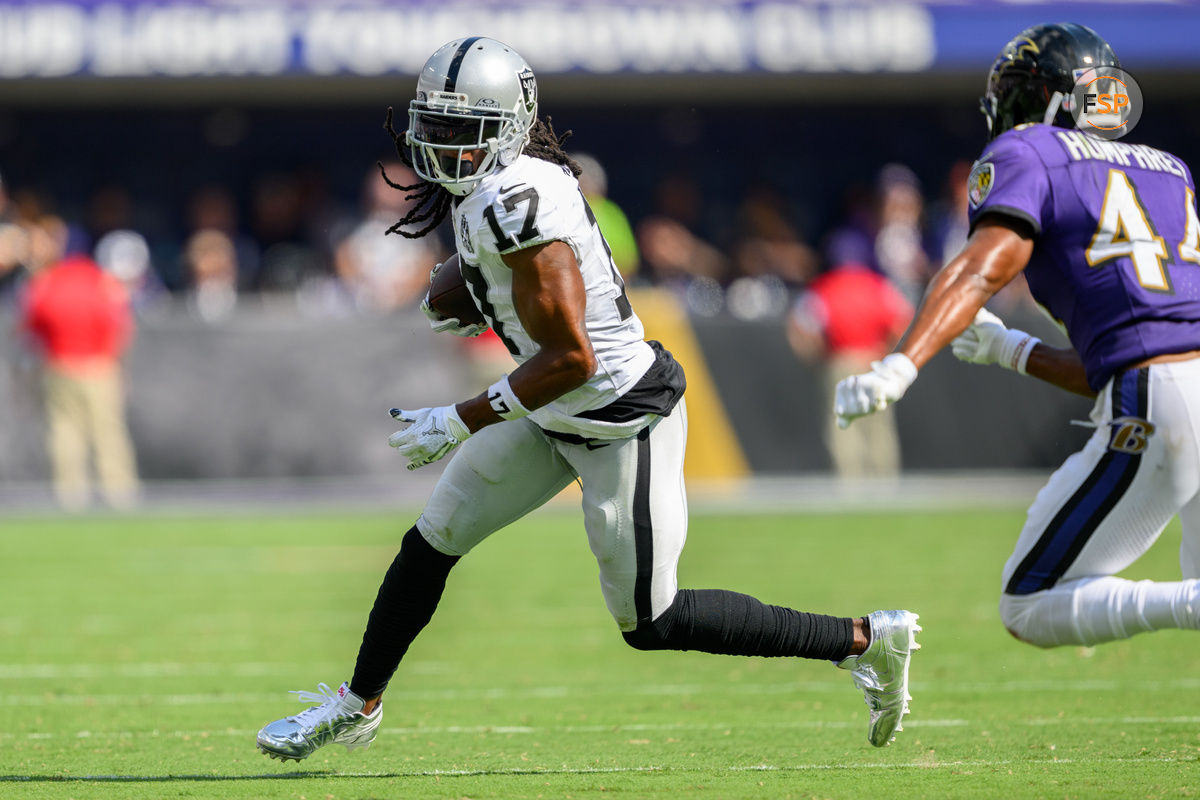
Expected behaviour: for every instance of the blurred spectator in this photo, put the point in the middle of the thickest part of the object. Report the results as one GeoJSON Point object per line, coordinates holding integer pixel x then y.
{"type": "Point", "coordinates": [377, 271]}
{"type": "Point", "coordinates": [213, 208]}
{"type": "Point", "coordinates": [855, 232]}
{"type": "Point", "coordinates": [678, 197]}
{"type": "Point", "coordinates": [110, 208]}
{"type": "Point", "coordinates": [849, 316]}
{"type": "Point", "coordinates": [948, 233]}
{"type": "Point", "coordinates": [675, 257]}
{"type": "Point", "coordinates": [125, 255]}
{"type": "Point", "coordinates": [767, 243]}
{"type": "Point", "coordinates": [609, 217]}
{"type": "Point", "coordinates": [948, 226]}
{"type": "Point", "coordinates": [14, 250]}
{"type": "Point", "coordinates": [212, 266]}
{"type": "Point", "coordinates": [899, 240]}
{"type": "Point", "coordinates": [29, 205]}
{"type": "Point", "coordinates": [78, 316]}
{"type": "Point", "coordinates": [279, 217]}
{"type": "Point", "coordinates": [770, 258]}
{"type": "Point", "coordinates": [14, 247]}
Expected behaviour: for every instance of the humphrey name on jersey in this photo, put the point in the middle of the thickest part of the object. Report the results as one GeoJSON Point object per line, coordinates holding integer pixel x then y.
{"type": "Point", "coordinates": [1081, 145]}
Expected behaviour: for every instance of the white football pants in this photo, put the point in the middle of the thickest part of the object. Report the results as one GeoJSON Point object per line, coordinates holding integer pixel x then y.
{"type": "Point", "coordinates": [1104, 508]}
{"type": "Point", "coordinates": [634, 505]}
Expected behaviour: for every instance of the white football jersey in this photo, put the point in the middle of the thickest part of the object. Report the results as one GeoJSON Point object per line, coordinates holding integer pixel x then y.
{"type": "Point", "coordinates": [532, 202]}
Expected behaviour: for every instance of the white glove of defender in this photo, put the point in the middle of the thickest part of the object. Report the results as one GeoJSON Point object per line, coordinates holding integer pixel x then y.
{"type": "Point", "coordinates": [860, 395]}
{"type": "Point", "coordinates": [431, 434]}
{"type": "Point", "coordinates": [988, 341]}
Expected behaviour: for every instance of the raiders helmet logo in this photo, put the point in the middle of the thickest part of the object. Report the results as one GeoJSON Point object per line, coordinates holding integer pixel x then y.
{"type": "Point", "coordinates": [979, 182]}
{"type": "Point", "coordinates": [528, 87]}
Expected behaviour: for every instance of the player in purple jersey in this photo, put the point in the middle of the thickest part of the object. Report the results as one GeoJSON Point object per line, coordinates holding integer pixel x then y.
{"type": "Point", "coordinates": [1108, 237]}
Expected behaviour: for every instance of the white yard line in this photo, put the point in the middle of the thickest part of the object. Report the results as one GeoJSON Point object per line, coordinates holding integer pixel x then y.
{"type": "Point", "coordinates": [534, 771]}
{"type": "Point", "coordinates": [803, 492]}
{"type": "Point", "coordinates": [543, 692]}
{"type": "Point", "coordinates": [666, 727]}
{"type": "Point", "coordinates": [142, 670]}
{"type": "Point", "coordinates": [170, 669]}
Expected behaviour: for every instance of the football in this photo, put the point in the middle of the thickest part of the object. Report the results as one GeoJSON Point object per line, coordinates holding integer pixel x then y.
{"type": "Point", "coordinates": [450, 296]}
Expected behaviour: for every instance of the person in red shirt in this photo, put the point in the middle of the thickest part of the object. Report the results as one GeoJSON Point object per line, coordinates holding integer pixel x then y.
{"type": "Point", "coordinates": [852, 315]}
{"type": "Point", "coordinates": [79, 318]}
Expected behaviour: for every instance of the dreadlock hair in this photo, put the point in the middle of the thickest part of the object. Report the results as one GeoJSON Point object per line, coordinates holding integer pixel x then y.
{"type": "Point", "coordinates": [432, 202]}
{"type": "Point", "coordinates": [545, 144]}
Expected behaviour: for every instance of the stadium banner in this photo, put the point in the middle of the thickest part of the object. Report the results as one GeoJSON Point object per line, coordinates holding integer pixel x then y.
{"type": "Point", "coordinates": [187, 38]}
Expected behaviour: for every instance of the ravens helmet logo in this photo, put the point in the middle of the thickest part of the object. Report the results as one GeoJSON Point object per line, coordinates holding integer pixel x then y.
{"type": "Point", "coordinates": [1036, 71]}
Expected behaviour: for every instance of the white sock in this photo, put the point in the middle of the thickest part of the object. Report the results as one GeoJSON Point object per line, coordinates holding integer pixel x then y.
{"type": "Point", "coordinates": [1094, 610]}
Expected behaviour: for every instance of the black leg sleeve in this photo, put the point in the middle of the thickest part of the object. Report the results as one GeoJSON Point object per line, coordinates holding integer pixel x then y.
{"type": "Point", "coordinates": [719, 621]}
{"type": "Point", "coordinates": [406, 601]}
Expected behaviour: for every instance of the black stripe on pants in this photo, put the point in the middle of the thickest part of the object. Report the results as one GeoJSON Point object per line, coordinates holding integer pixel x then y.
{"type": "Point", "coordinates": [1075, 523]}
{"type": "Point", "coordinates": [643, 532]}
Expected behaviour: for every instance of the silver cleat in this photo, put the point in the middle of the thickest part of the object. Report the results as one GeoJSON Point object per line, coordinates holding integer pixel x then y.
{"type": "Point", "coordinates": [337, 718]}
{"type": "Point", "coordinates": [882, 671]}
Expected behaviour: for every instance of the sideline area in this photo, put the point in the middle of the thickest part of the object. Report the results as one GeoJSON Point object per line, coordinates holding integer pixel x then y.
{"type": "Point", "coordinates": [407, 492]}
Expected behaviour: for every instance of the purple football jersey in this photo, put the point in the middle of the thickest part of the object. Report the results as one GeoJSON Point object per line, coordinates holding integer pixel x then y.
{"type": "Point", "coordinates": [1116, 257]}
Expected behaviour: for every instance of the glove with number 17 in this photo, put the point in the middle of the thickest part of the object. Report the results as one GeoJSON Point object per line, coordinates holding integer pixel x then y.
{"type": "Point", "coordinates": [860, 395]}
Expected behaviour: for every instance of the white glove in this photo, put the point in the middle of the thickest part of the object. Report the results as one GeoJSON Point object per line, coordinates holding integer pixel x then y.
{"type": "Point", "coordinates": [860, 395]}
{"type": "Point", "coordinates": [450, 324]}
{"type": "Point", "coordinates": [431, 434]}
{"type": "Point", "coordinates": [987, 341]}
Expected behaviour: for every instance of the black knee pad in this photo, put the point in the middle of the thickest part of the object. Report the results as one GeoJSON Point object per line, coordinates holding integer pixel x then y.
{"type": "Point", "coordinates": [645, 636]}
{"type": "Point", "coordinates": [656, 635]}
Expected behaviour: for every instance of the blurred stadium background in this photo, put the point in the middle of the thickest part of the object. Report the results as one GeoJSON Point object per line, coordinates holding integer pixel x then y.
{"type": "Point", "coordinates": [218, 157]}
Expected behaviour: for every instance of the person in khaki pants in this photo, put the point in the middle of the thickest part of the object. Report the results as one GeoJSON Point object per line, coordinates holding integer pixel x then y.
{"type": "Point", "coordinates": [80, 318]}
{"type": "Point", "coordinates": [850, 315]}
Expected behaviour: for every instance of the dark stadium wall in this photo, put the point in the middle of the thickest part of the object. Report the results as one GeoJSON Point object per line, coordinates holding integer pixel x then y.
{"type": "Point", "coordinates": [277, 395]}
{"type": "Point", "coordinates": [956, 416]}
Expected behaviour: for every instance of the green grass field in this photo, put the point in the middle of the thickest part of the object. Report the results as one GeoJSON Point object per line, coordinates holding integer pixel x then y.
{"type": "Point", "coordinates": [140, 656]}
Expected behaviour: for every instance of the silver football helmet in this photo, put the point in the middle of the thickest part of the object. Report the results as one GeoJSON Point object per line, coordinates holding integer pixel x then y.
{"type": "Point", "coordinates": [476, 101]}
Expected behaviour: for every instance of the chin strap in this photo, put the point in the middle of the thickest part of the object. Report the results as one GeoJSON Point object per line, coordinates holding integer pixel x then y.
{"type": "Point", "coordinates": [989, 114]}
{"type": "Point", "coordinates": [1056, 102]}
{"type": "Point", "coordinates": [509, 154]}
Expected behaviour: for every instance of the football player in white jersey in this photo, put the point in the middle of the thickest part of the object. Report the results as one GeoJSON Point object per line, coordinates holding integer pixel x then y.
{"type": "Point", "coordinates": [590, 400]}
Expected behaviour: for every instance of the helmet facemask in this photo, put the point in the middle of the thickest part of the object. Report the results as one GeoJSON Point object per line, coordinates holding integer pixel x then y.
{"type": "Point", "coordinates": [442, 135]}
{"type": "Point", "coordinates": [1015, 95]}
